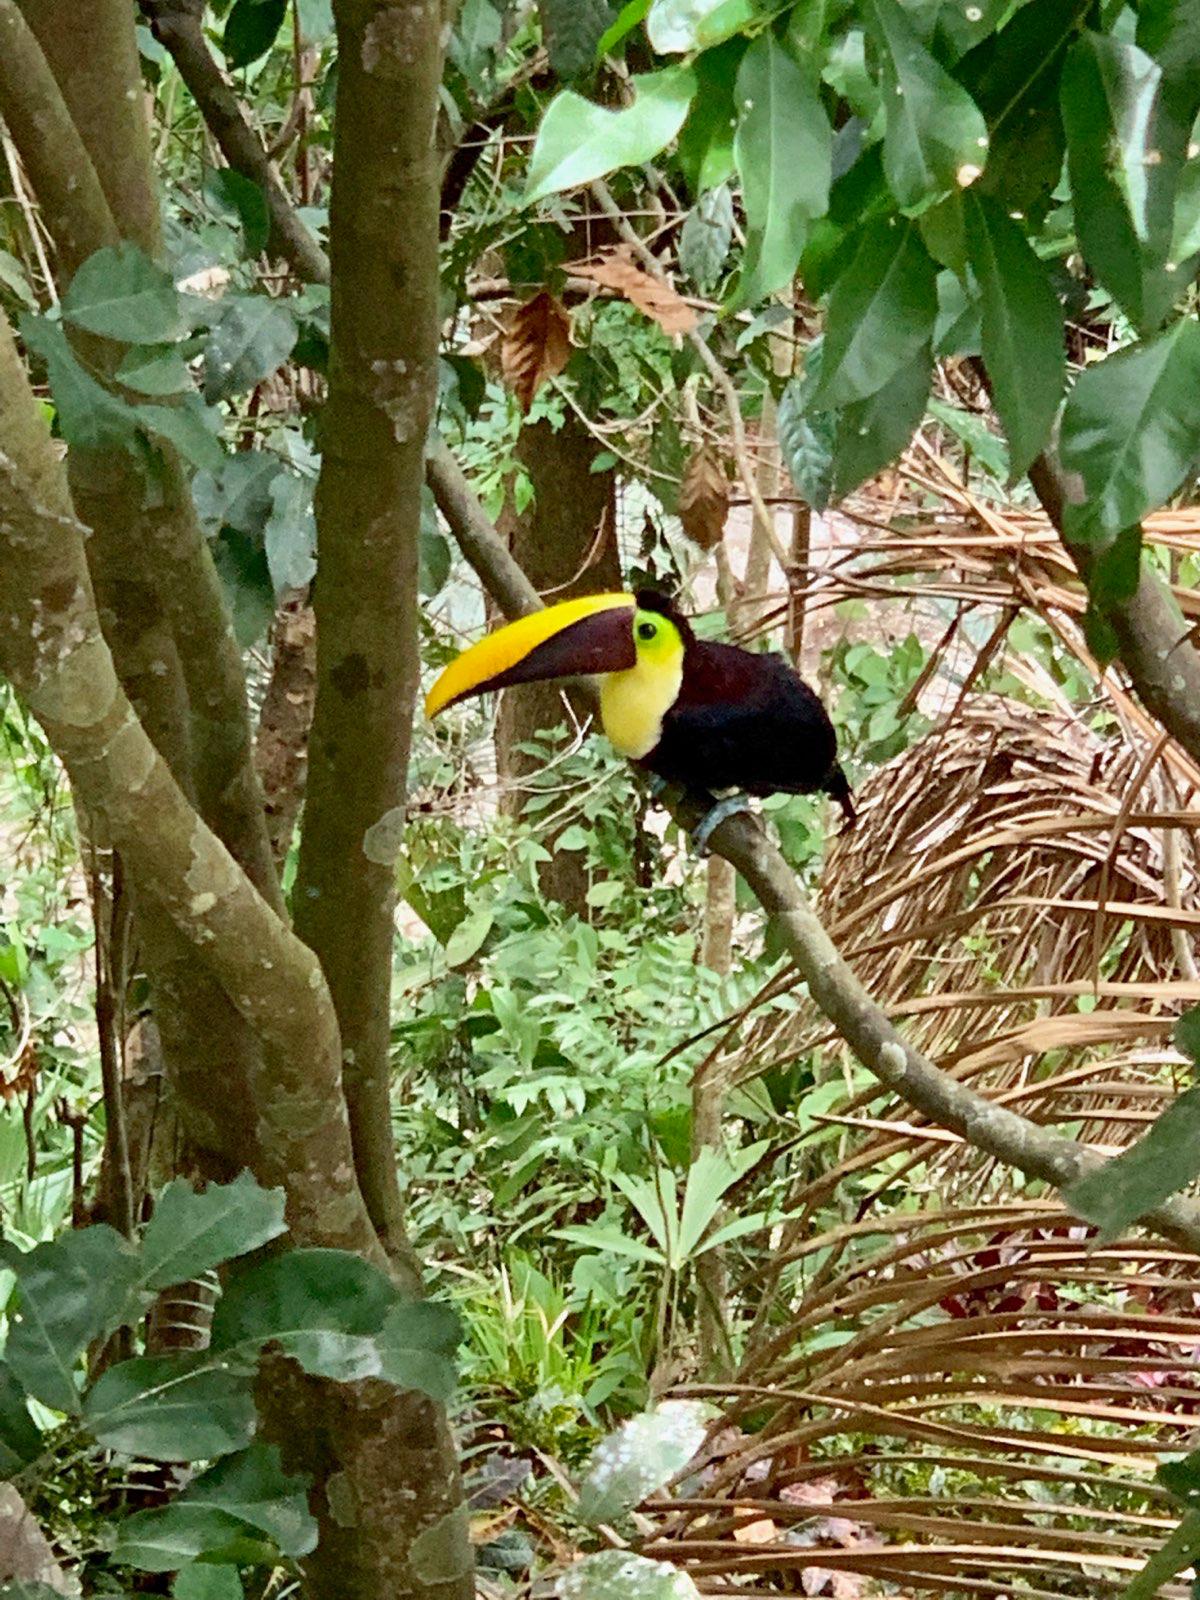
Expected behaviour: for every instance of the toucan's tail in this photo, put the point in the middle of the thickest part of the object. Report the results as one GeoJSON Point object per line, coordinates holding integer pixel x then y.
{"type": "Point", "coordinates": [837, 786]}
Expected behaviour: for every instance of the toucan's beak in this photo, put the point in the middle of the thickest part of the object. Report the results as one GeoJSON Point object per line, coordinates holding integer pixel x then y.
{"type": "Point", "coordinates": [571, 640]}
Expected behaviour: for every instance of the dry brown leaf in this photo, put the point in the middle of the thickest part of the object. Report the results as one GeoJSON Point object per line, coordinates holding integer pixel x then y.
{"type": "Point", "coordinates": [653, 296]}
{"type": "Point", "coordinates": [536, 346]}
{"type": "Point", "coordinates": [704, 498]}
{"type": "Point", "coordinates": [761, 1532]}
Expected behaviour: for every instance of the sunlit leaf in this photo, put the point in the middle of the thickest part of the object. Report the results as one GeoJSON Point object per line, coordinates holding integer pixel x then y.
{"type": "Point", "coordinates": [618, 1575]}
{"type": "Point", "coordinates": [182, 1407]}
{"type": "Point", "coordinates": [191, 1233]}
{"type": "Point", "coordinates": [679, 26]}
{"type": "Point", "coordinates": [121, 294]}
{"type": "Point", "coordinates": [579, 140]}
{"type": "Point", "coordinates": [642, 1455]}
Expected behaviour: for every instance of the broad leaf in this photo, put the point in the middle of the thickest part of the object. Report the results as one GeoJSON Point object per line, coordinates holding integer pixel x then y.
{"type": "Point", "coordinates": [89, 417]}
{"type": "Point", "coordinates": [20, 1437]}
{"type": "Point", "coordinates": [172, 1408]}
{"type": "Point", "coordinates": [253, 1487]}
{"type": "Point", "coordinates": [871, 433]}
{"type": "Point", "coordinates": [192, 1233]}
{"type": "Point", "coordinates": [251, 29]}
{"type": "Point", "coordinates": [188, 426]}
{"type": "Point", "coordinates": [782, 149]}
{"type": "Point", "coordinates": [252, 338]}
{"type": "Point", "coordinates": [1179, 1552]}
{"type": "Point", "coordinates": [155, 369]}
{"type": "Point", "coordinates": [881, 312]}
{"type": "Point", "coordinates": [121, 294]}
{"type": "Point", "coordinates": [806, 439]}
{"type": "Point", "coordinates": [935, 138]}
{"type": "Point", "coordinates": [642, 1455]}
{"type": "Point", "coordinates": [234, 195]}
{"type": "Point", "coordinates": [417, 1346]}
{"type": "Point", "coordinates": [1164, 1160]}
{"type": "Point", "coordinates": [1122, 178]}
{"type": "Point", "coordinates": [676, 27]}
{"type": "Point", "coordinates": [165, 1539]}
{"type": "Point", "coordinates": [618, 1575]}
{"type": "Point", "coordinates": [706, 236]}
{"type": "Point", "coordinates": [204, 1580]}
{"type": "Point", "coordinates": [442, 1553]}
{"type": "Point", "coordinates": [74, 1290]}
{"type": "Point", "coordinates": [705, 147]}
{"type": "Point", "coordinates": [1187, 1034]}
{"type": "Point", "coordinates": [1022, 330]}
{"type": "Point", "coordinates": [710, 1175]}
{"type": "Point", "coordinates": [579, 140]}
{"type": "Point", "coordinates": [572, 31]}
{"type": "Point", "coordinates": [12, 278]}
{"type": "Point", "coordinates": [1131, 430]}
{"type": "Point", "coordinates": [290, 533]}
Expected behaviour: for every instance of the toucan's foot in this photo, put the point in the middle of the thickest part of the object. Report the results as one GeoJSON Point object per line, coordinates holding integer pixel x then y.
{"type": "Point", "coordinates": [656, 785]}
{"type": "Point", "coordinates": [731, 806]}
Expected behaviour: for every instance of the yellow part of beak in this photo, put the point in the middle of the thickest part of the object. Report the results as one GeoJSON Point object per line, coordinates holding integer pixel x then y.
{"type": "Point", "coordinates": [499, 652]}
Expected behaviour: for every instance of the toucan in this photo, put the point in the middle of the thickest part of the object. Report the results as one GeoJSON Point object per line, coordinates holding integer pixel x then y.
{"type": "Point", "coordinates": [709, 717]}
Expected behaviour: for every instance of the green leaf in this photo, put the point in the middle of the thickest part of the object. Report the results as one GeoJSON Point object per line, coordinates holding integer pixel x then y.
{"type": "Point", "coordinates": [20, 1436]}
{"type": "Point", "coordinates": [1180, 1551]}
{"type": "Point", "coordinates": [871, 433]}
{"type": "Point", "coordinates": [627, 20]}
{"type": "Point", "coordinates": [706, 236]}
{"type": "Point", "coordinates": [579, 140]}
{"type": "Point", "coordinates": [1114, 575]}
{"type": "Point", "coordinates": [176, 1536]}
{"type": "Point", "coordinates": [183, 1407]}
{"type": "Point", "coordinates": [596, 1237]}
{"type": "Point", "coordinates": [231, 194]}
{"type": "Point", "coordinates": [12, 278]}
{"type": "Point", "coordinates": [1131, 430]}
{"type": "Point", "coordinates": [242, 568]}
{"type": "Point", "coordinates": [782, 148]}
{"type": "Point", "coordinates": [251, 29]}
{"type": "Point", "coordinates": [89, 417]}
{"type": "Point", "coordinates": [322, 1307]}
{"type": "Point", "coordinates": [677, 27]}
{"type": "Point", "coordinates": [572, 31]}
{"type": "Point", "coordinates": [1164, 1160]}
{"type": "Point", "coordinates": [881, 312]}
{"type": "Point", "coordinates": [1022, 330]}
{"type": "Point", "coordinates": [935, 138]}
{"type": "Point", "coordinates": [467, 939]}
{"type": "Point", "coordinates": [253, 1487]}
{"type": "Point", "coordinates": [188, 426]}
{"type": "Point", "coordinates": [710, 1175]}
{"type": "Point", "coordinates": [705, 147]}
{"type": "Point", "coordinates": [73, 1290]}
{"type": "Point", "coordinates": [442, 1553]}
{"type": "Point", "coordinates": [418, 1343]}
{"type": "Point", "coordinates": [290, 533]}
{"type": "Point", "coordinates": [1187, 1034]}
{"type": "Point", "coordinates": [157, 369]}
{"type": "Point", "coordinates": [642, 1455]}
{"type": "Point", "coordinates": [1100, 636]}
{"type": "Point", "coordinates": [1122, 179]}
{"type": "Point", "coordinates": [252, 338]}
{"type": "Point", "coordinates": [806, 438]}
{"type": "Point", "coordinates": [121, 294]}
{"type": "Point", "coordinates": [192, 1233]}
{"type": "Point", "coordinates": [618, 1575]}
{"type": "Point", "coordinates": [205, 1581]}
{"type": "Point", "coordinates": [1182, 1479]}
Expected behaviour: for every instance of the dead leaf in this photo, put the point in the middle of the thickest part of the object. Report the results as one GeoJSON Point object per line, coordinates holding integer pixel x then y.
{"type": "Point", "coordinates": [704, 498]}
{"type": "Point", "coordinates": [536, 346]}
{"type": "Point", "coordinates": [761, 1532]}
{"type": "Point", "coordinates": [653, 296]}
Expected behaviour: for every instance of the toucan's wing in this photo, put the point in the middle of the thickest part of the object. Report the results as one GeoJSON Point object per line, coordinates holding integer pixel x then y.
{"type": "Point", "coordinates": [744, 721]}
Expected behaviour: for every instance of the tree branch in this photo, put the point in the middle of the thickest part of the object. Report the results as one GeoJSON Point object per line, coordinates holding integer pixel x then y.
{"type": "Point", "coordinates": [832, 985]}
{"type": "Point", "coordinates": [52, 649]}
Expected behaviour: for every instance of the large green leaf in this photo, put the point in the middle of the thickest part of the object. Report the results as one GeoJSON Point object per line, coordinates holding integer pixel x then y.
{"type": "Point", "coordinates": [1164, 1160]}
{"type": "Point", "coordinates": [705, 146]}
{"type": "Point", "coordinates": [935, 138]}
{"type": "Point", "coordinates": [236, 196]}
{"type": "Point", "coordinates": [185, 1407]}
{"type": "Point", "coordinates": [1131, 430]}
{"type": "Point", "coordinates": [706, 236]}
{"type": "Point", "coordinates": [680, 26]}
{"type": "Point", "coordinates": [642, 1455]}
{"type": "Point", "coordinates": [190, 426]}
{"type": "Point", "coordinates": [251, 29]}
{"type": "Point", "coordinates": [881, 312]}
{"type": "Point", "coordinates": [73, 1290]}
{"type": "Point", "coordinates": [204, 1580]}
{"type": "Point", "coordinates": [165, 1539]}
{"type": "Point", "coordinates": [871, 433]}
{"type": "Point", "coordinates": [782, 149]}
{"type": "Point", "coordinates": [1022, 328]}
{"type": "Point", "coordinates": [806, 436]}
{"type": "Point", "coordinates": [572, 30]}
{"type": "Point", "coordinates": [121, 294]}
{"type": "Point", "coordinates": [191, 1233]}
{"type": "Point", "coordinates": [417, 1345]}
{"type": "Point", "coordinates": [20, 1437]}
{"type": "Point", "coordinates": [579, 140]}
{"type": "Point", "coordinates": [1122, 177]}
{"type": "Point", "coordinates": [252, 338]}
{"type": "Point", "coordinates": [89, 417]}
{"type": "Point", "coordinates": [253, 1487]}
{"type": "Point", "coordinates": [290, 533]}
{"type": "Point", "coordinates": [1180, 1551]}
{"type": "Point", "coordinates": [156, 369]}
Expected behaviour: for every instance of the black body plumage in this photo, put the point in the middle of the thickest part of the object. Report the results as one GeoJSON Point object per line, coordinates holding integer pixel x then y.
{"type": "Point", "coordinates": [743, 721]}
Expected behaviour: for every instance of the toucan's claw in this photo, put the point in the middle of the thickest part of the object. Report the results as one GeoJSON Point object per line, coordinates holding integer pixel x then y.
{"type": "Point", "coordinates": [732, 806]}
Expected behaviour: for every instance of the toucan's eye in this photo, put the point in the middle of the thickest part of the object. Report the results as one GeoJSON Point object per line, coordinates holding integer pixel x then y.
{"type": "Point", "coordinates": [646, 630]}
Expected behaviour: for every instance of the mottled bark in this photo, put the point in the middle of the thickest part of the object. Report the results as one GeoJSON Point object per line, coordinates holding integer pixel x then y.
{"type": "Point", "coordinates": [566, 542]}
{"type": "Point", "coordinates": [281, 748]}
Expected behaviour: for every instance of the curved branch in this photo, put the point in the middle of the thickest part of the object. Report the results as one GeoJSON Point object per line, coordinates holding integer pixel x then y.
{"type": "Point", "coordinates": [1003, 1134]}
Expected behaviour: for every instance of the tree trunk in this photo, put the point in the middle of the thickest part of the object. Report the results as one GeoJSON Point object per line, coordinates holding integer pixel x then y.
{"type": "Point", "coordinates": [567, 542]}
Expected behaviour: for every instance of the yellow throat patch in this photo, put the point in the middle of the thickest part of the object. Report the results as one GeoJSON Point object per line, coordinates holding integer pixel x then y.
{"type": "Point", "coordinates": [634, 703]}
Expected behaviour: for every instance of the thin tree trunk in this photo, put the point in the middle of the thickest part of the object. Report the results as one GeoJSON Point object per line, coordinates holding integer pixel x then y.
{"type": "Point", "coordinates": [566, 541]}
